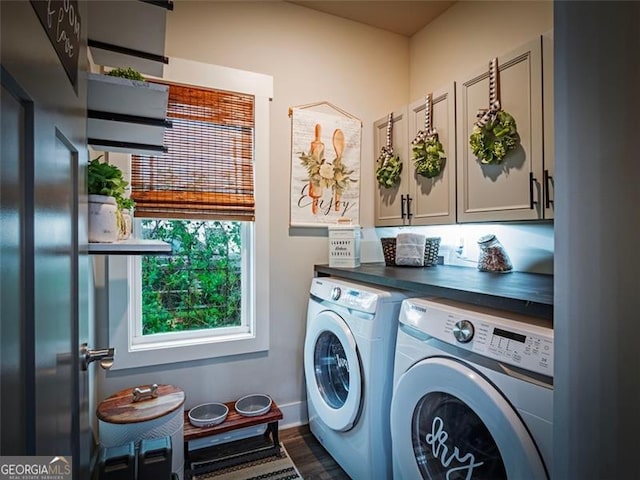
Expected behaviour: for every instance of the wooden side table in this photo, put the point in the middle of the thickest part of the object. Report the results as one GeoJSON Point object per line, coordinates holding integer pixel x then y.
{"type": "Point", "coordinates": [232, 453]}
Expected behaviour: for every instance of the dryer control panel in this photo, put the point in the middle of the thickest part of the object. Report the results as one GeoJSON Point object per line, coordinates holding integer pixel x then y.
{"type": "Point", "coordinates": [513, 339]}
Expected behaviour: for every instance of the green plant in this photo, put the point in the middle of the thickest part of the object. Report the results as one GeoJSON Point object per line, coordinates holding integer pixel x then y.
{"type": "Point", "coordinates": [105, 179]}
{"type": "Point", "coordinates": [428, 156]}
{"type": "Point", "coordinates": [491, 142]}
{"type": "Point", "coordinates": [388, 164]}
{"type": "Point", "coordinates": [128, 72]}
{"type": "Point", "coordinates": [388, 168]}
{"type": "Point", "coordinates": [125, 203]}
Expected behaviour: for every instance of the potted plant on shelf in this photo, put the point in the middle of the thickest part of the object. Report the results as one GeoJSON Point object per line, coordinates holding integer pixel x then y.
{"type": "Point", "coordinates": [106, 187]}
{"type": "Point", "coordinates": [128, 73]}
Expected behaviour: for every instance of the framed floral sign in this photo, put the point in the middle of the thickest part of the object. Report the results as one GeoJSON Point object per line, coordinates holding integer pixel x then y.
{"type": "Point", "coordinates": [325, 167]}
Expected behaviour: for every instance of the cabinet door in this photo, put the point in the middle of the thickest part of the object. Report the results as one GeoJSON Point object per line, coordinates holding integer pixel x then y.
{"type": "Point", "coordinates": [433, 200]}
{"type": "Point", "coordinates": [548, 185]}
{"type": "Point", "coordinates": [391, 202]}
{"type": "Point", "coordinates": [506, 191]}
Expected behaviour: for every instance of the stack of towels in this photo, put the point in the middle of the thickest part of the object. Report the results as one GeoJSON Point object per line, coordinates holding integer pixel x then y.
{"type": "Point", "coordinates": [410, 249]}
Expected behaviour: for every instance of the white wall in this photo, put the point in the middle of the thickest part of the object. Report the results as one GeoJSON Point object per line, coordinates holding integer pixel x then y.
{"type": "Point", "coordinates": [312, 57]}
{"type": "Point", "coordinates": [468, 35]}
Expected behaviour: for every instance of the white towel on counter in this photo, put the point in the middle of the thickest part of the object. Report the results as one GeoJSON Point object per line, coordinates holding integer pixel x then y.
{"type": "Point", "coordinates": [410, 249]}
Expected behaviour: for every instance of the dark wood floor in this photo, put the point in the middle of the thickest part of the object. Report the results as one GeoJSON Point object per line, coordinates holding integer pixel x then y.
{"type": "Point", "coordinates": [310, 457]}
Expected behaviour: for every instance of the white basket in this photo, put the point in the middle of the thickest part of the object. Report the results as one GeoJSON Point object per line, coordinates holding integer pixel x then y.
{"type": "Point", "coordinates": [344, 245]}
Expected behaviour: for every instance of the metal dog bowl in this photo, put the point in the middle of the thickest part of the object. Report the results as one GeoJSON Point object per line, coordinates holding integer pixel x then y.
{"type": "Point", "coordinates": [253, 405]}
{"type": "Point", "coordinates": [208, 414]}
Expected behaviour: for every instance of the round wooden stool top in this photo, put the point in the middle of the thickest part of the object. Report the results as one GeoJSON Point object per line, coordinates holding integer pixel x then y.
{"type": "Point", "coordinates": [120, 407]}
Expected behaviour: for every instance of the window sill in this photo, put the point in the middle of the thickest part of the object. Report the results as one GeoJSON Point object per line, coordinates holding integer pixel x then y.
{"type": "Point", "coordinates": [130, 247]}
{"type": "Point", "coordinates": [137, 357]}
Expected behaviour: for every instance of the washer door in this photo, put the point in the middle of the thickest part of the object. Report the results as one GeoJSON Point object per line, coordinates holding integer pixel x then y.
{"type": "Point", "coordinates": [449, 422]}
{"type": "Point", "coordinates": [332, 370]}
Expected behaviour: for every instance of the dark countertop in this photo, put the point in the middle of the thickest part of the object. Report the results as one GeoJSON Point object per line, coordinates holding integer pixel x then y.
{"type": "Point", "coordinates": [520, 292]}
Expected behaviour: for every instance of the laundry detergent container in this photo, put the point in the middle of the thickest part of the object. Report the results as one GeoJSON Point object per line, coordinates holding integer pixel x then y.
{"type": "Point", "coordinates": [145, 412]}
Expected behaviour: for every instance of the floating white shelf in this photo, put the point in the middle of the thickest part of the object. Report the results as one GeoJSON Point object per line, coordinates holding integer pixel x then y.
{"type": "Point", "coordinates": [129, 34]}
{"type": "Point", "coordinates": [126, 115]}
{"type": "Point", "coordinates": [128, 97]}
{"type": "Point", "coordinates": [132, 246]}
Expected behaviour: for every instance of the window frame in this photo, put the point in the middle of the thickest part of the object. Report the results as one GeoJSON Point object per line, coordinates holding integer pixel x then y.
{"type": "Point", "coordinates": [120, 269]}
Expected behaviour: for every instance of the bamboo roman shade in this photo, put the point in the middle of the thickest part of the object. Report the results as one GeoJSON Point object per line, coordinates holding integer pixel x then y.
{"type": "Point", "coordinates": [207, 173]}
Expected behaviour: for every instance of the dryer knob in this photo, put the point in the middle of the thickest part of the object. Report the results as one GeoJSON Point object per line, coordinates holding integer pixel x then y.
{"type": "Point", "coordinates": [335, 293]}
{"type": "Point", "coordinates": [463, 331]}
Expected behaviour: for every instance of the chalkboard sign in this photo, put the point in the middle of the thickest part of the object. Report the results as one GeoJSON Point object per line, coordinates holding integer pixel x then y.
{"type": "Point", "coordinates": [61, 20]}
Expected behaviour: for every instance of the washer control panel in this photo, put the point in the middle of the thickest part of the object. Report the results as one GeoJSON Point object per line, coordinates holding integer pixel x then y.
{"type": "Point", "coordinates": [345, 295]}
{"type": "Point", "coordinates": [508, 338]}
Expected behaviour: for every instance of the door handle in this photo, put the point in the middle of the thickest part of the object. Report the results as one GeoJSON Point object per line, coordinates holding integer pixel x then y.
{"type": "Point", "coordinates": [102, 355]}
{"type": "Point", "coordinates": [402, 214]}
{"type": "Point", "coordinates": [409, 214]}
{"type": "Point", "coordinates": [547, 184]}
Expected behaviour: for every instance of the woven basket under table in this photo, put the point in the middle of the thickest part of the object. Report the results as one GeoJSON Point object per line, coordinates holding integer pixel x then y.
{"type": "Point", "coordinates": [431, 250]}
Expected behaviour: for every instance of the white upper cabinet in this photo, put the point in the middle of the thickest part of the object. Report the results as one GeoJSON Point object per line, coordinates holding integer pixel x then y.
{"type": "Point", "coordinates": [512, 190]}
{"type": "Point", "coordinates": [417, 200]}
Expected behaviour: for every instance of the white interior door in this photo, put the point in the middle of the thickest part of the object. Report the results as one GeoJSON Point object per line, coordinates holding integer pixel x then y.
{"type": "Point", "coordinates": [449, 422]}
{"type": "Point", "coordinates": [332, 369]}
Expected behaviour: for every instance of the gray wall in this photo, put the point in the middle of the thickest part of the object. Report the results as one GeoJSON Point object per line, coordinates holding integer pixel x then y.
{"type": "Point", "coordinates": [597, 294]}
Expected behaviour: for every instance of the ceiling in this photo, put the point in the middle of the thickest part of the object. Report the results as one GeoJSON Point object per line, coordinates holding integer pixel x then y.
{"type": "Point", "coordinates": [400, 16]}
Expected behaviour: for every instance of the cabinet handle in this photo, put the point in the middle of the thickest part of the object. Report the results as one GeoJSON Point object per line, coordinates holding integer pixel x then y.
{"type": "Point", "coordinates": [402, 214]}
{"type": "Point", "coordinates": [409, 214]}
{"type": "Point", "coordinates": [532, 182]}
{"type": "Point", "coordinates": [547, 184]}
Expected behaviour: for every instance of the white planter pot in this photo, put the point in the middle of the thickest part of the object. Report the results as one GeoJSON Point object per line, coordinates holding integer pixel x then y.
{"type": "Point", "coordinates": [103, 219]}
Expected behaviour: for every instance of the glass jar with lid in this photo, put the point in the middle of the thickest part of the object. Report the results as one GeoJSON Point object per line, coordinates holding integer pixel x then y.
{"type": "Point", "coordinates": [493, 257]}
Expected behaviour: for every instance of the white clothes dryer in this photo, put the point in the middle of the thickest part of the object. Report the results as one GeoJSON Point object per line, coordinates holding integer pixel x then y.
{"type": "Point", "coordinates": [473, 394]}
{"type": "Point", "coordinates": [348, 363]}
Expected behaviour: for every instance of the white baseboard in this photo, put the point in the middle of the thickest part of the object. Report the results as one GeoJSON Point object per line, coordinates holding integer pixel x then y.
{"type": "Point", "coordinates": [294, 414]}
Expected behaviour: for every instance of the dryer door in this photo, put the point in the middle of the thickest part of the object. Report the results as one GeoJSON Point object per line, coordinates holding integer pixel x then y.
{"type": "Point", "coordinates": [448, 421]}
{"type": "Point", "coordinates": [332, 370]}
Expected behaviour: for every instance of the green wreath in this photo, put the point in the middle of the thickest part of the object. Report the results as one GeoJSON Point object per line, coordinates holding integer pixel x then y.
{"type": "Point", "coordinates": [491, 143]}
{"type": "Point", "coordinates": [389, 168]}
{"type": "Point", "coordinates": [428, 156]}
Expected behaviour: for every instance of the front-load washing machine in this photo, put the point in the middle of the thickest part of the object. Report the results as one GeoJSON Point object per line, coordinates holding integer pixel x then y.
{"type": "Point", "coordinates": [473, 394]}
{"type": "Point", "coordinates": [348, 364]}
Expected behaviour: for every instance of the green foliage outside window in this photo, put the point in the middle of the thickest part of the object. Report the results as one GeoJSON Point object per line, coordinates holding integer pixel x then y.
{"type": "Point", "coordinates": [199, 285]}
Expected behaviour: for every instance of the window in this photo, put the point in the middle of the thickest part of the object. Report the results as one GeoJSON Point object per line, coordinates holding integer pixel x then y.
{"type": "Point", "coordinates": [199, 286]}
{"type": "Point", "coordinates": [202, 198]}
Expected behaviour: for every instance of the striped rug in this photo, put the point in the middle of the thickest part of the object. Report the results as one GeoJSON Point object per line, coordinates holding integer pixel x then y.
{"type": "Point", "coordinates": [270, 468]}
